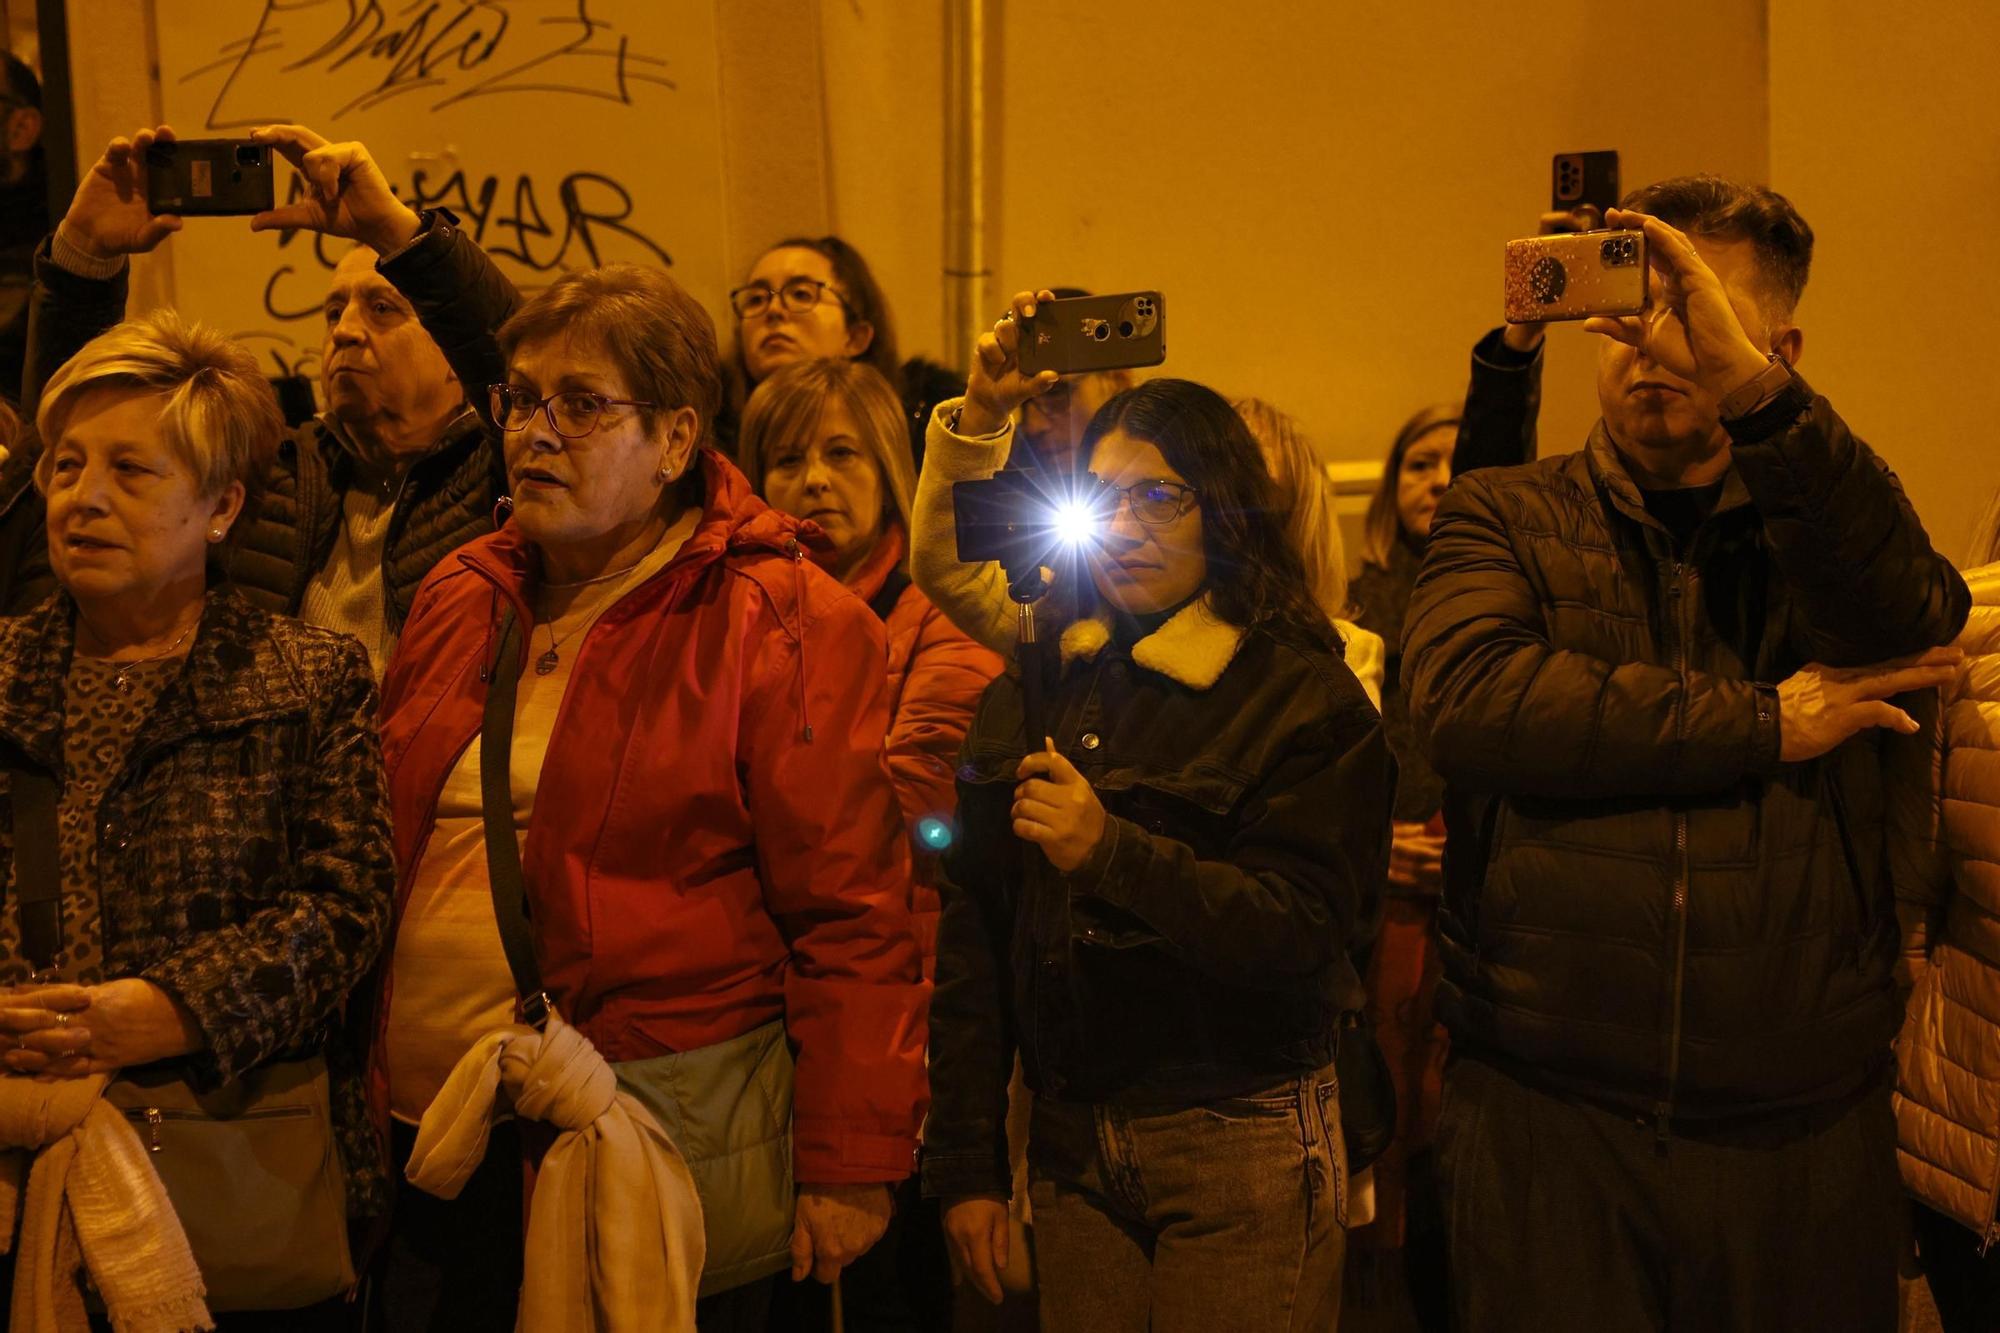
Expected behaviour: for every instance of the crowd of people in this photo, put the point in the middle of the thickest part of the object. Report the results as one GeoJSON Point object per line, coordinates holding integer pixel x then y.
{"type": "Point", "coordinates": [559, 839]}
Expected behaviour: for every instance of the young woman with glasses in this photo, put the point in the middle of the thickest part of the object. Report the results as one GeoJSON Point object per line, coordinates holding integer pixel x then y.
{"type": "Point", "coordinates": [813, 297]}
{"type": "Point", "coordinates": [1151, 899]}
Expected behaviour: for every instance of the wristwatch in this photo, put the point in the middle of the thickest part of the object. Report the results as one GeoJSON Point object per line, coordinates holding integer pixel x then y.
{"type": "Point", "coordinates": [1766, 385]}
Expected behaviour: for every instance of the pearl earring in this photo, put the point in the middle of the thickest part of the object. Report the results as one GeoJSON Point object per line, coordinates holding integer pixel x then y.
{"type": "Point", "coordinates": [215, 534]}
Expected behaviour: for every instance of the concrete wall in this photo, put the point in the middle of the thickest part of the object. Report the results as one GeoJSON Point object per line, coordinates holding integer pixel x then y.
{"type": "Point", "coordinates": [1885, 130]}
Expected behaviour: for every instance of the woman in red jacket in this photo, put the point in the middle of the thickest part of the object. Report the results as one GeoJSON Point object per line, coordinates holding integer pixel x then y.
{"type": "Point", "coordinates": [824, 441]}
{"type": "Point", "coordinates": [712, 852]}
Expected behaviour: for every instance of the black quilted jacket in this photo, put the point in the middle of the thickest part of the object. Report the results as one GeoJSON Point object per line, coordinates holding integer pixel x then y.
{"type": "Point", "coordinates": [446, 499]}
{"type": "Point", "coordinates": [1642, 904]}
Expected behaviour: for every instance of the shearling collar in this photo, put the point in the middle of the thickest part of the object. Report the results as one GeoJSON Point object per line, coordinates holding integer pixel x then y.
{"type": "Point", "coordinates": [1194, 647]}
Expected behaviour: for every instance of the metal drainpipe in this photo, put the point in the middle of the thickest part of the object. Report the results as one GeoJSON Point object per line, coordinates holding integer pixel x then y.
{"type": "Point", "coordinates": [965, 257]}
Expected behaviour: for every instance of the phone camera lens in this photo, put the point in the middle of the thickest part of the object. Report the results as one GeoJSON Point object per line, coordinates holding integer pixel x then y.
{"type": "Point", "coordinates": [248, 155]}
{"type": "Point", "coordinates": [1101, 332]}
{"type": "Point", "coordinates": [1124, 328]}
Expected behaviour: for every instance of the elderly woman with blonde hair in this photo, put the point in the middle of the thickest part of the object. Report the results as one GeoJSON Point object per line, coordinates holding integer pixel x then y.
{"type": "Point", "coordinates": [195, 840]}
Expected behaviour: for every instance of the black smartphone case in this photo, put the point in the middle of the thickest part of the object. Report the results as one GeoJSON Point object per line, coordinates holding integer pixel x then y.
{"type": "Point", "coordinates": [1080, 334]}
{"type": "Point", "coordinates": [209, 178]}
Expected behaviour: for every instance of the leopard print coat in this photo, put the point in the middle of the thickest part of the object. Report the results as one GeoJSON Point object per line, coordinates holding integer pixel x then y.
{"type": "Point", "coordinates": [244, 860]}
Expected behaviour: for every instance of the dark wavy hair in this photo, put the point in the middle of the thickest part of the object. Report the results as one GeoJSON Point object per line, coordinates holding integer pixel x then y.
{"type": "Point", "coordinates": [864, 303]}
{"type": "Point", "coordinates": [1255, 575]}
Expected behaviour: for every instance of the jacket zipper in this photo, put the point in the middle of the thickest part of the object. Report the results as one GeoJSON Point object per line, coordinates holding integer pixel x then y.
{"type": "Point", "coordinates": [1664, 1110]}
{"type": "Point", "coordinates": [154, 1119]}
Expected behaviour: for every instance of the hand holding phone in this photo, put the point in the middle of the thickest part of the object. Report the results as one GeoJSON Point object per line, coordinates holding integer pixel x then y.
{"type": "Point", "coordinates": [109, 214]}
{"type": "Point", "coordinates": [347, 193]}
{"type": "Point", "coordinates": [1691, 328]}
{"type": "Point", "coordinates": [1582, 186]}
{"type": "Point", "coordinates": [998, 385]}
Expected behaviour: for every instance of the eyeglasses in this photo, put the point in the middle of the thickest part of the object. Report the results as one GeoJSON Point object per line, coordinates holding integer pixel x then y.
{"type": "Point", "coordinates": [797, 296]}
{"type": "Point", "coordinates": [1153, 503]}
{"type": "Point", "coordinates": [572, 414]}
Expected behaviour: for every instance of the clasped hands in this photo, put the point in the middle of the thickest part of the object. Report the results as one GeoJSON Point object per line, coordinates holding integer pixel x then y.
{"type": "Point", "coordinates": [67, 1031]}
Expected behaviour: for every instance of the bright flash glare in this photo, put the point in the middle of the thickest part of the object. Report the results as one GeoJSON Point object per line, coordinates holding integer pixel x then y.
{"type": "Point", "coordinates": [1076, 523]}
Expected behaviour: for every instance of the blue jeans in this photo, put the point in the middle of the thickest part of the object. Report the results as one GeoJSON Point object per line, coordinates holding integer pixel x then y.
{"type": "Point", "coordinates": [1224, 1216]}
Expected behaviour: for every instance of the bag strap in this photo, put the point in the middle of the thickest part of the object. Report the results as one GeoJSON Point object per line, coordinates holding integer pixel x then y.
{"type": "Point", "coordinates": [496, 801]}
{"type": "Point", "coordinates": [885, 599]}
{"type": "Point", "coordinates": [37, 874]}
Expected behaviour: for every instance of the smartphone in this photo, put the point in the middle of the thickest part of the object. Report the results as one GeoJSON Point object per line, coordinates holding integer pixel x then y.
{"type": "Point", "coordinates": [1078, 334]}
{"type": "Point", "coordinates": [209, 177]}
{"type": "Point", "coordinates": [1584, 180]}
{"type": "Point", "coordinates": [1575, 276]}
{"type": "Point", "coordinates": [1025, 518]}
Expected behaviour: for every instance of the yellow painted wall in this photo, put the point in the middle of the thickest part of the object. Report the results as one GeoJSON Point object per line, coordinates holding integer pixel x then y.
{"type": "Point", "coordinates": [1322, 188]}
{"type": "Point", "coordinates": [1885, 130]}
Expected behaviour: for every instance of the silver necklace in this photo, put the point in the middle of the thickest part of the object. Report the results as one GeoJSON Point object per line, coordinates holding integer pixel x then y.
{"type": "Point", "coordinates": [118, 679]}
{"type": "Point", "coordinates": [551, 657]}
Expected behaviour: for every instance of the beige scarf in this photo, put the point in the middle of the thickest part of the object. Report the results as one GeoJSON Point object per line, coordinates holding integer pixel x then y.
{"type": "Point", "coordinates": [91, 1197]}
{"type": "Point", "coordinates": [615, 1240]}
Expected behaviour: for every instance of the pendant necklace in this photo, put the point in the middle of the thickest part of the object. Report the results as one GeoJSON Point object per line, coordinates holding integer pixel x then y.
{"type": "Point", "coordinates": [551, 657]}
{"type": "Point", "coordinates": [124, 686]}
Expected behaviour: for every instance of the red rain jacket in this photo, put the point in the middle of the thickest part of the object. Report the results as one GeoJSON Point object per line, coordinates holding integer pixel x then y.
{"type": "Point", "coordinates": [936, 675]}
{"type": "Point", "coordinates": [715, 842]}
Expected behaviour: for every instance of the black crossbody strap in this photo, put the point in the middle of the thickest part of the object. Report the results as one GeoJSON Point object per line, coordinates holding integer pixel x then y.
{"type": "Point", "coordinates": [885, 599]}
{"type": "Point", "coordinates": [37, 874]}
{"type": "Point", "coordinates": [496, 800]}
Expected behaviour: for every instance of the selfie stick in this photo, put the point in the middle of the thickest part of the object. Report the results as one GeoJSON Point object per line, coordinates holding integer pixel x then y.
{"type": "Point", "coordinates": [1025, 592]}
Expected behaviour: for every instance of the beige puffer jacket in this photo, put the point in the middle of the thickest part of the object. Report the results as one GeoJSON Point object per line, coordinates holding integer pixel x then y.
{"type": "Point", "coordinates": [1948, 1084]}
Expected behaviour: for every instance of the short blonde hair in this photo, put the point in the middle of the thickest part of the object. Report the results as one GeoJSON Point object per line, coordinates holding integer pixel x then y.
{"type": "Point", "coordinates": [220, 418]}
{"type": "Point", "coordinates": [786, 408]}
{"type": "Point", "coordinates": [1311, 525]}
{"type": "Point", "coordinates": [1382, 528]}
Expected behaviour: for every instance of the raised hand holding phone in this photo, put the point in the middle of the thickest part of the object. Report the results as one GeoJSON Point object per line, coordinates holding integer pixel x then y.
{"type": "Point", "coordinates": [1689, 326]}
{"type": "Point", "coordinates": [347, 193]}
{"type": "Point", "coordinates": [998, 386]}
{"type": "Point", "coordinates": [109, 214]}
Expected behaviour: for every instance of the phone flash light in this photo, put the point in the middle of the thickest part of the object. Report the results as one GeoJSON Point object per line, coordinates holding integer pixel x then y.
{"type": "Point", "coordinates": [1076, 523]}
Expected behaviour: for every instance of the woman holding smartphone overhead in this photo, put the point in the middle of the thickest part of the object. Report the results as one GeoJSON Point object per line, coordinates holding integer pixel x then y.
{"type": "Point", "coordinates": [1151, 903]}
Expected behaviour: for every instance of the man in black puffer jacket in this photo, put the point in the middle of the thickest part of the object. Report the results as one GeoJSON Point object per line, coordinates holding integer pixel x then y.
{"type": "Point", "coordinates": [362, 500]}
{"type": "Point", "coordinates": [1644, 672]}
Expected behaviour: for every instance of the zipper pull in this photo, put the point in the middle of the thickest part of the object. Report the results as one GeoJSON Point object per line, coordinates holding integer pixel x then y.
{"type": "Point", "coordinates": [153, 1122]}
